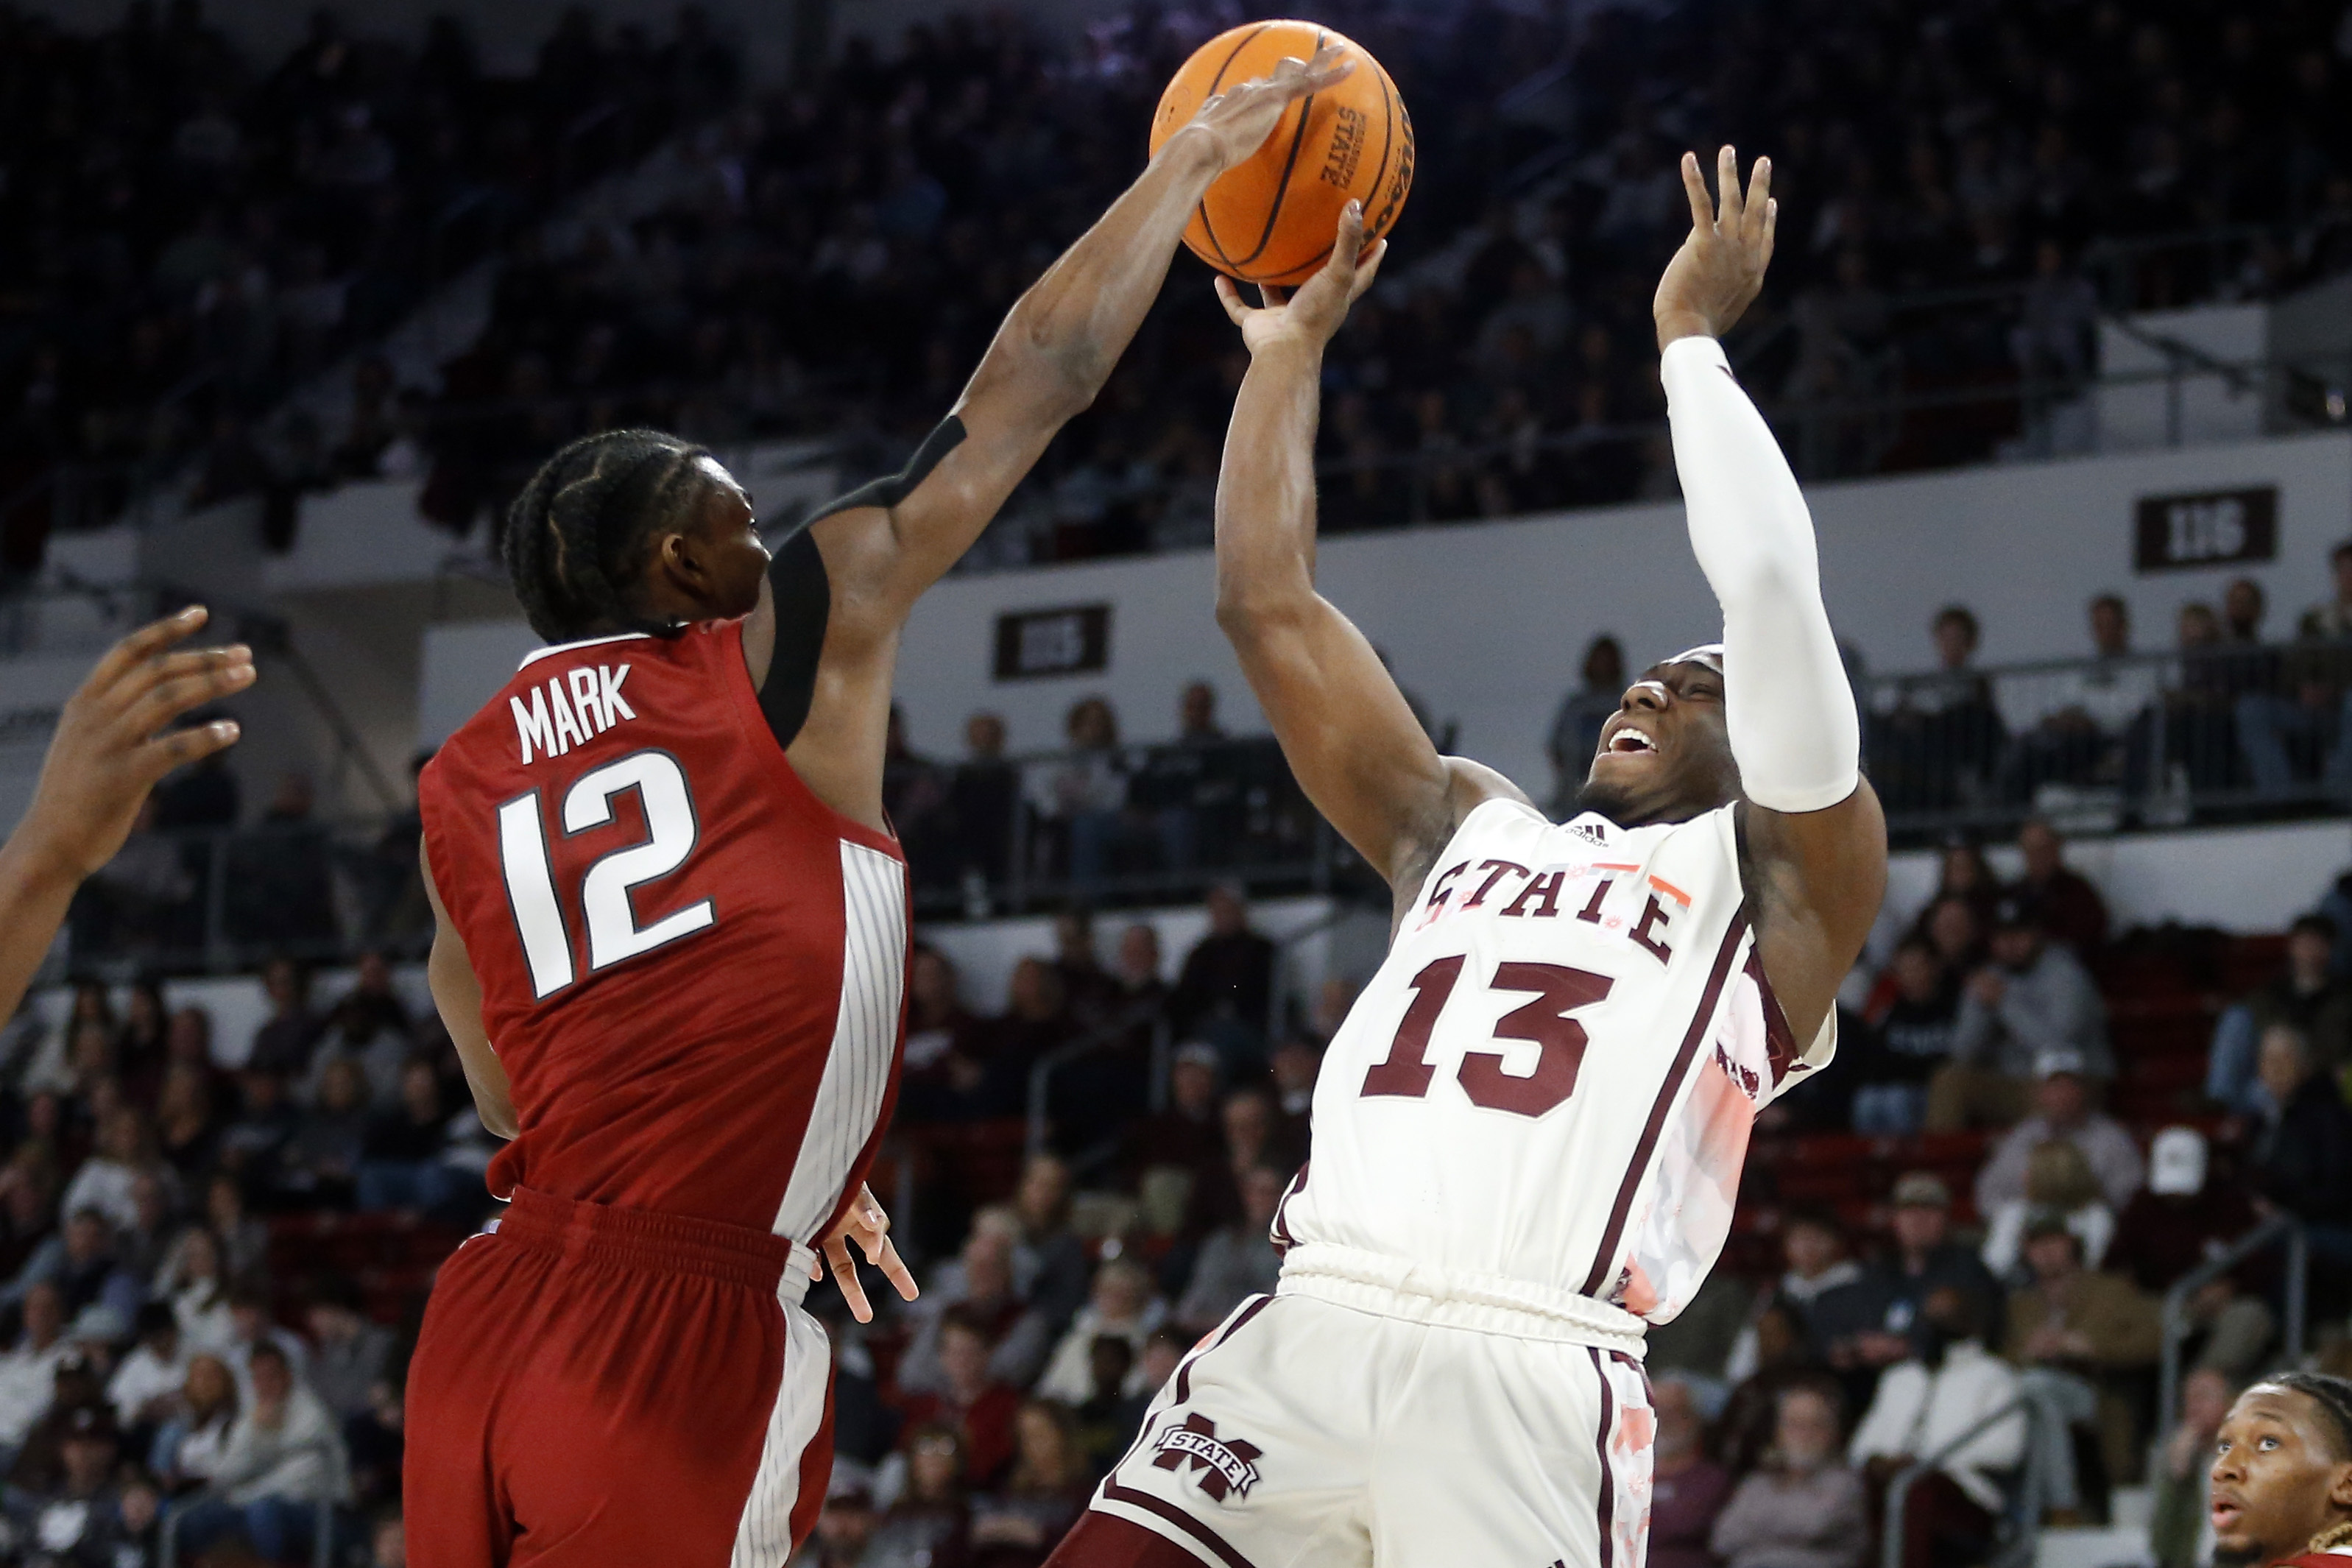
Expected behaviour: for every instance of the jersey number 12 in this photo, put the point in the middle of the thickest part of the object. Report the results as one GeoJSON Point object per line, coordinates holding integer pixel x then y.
{"type": "Point", "coordinates": [613, 933]}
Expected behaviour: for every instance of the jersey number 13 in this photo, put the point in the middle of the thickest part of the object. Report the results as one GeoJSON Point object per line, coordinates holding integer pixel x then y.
{"type": "Point", "coordinates": [1559, 1039]}
{"type": "Point", "coordinates": [613, 933]}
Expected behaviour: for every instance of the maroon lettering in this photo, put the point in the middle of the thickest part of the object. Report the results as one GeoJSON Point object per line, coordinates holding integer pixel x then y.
{"type": "Point", "coordinates": [1562, 1039]}
{"type": "Point", "coordinates": [1545, 890]}
{"type": "Point", "coordinates": [1653, 918]}
{"type": "Point", "coordinates": [1496, 870]}
{"type": "Point", "coordinates": [1590, 913]}
{"type": "Point", "coordinates": [1407, 1072]}
{"type": "Point", "coordinates": [1443, 889]}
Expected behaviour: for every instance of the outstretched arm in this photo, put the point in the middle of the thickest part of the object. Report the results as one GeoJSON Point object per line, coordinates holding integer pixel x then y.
{"type": "Point", "coordinates": [1345, 729]}
{"type": "Point", "coordinates": [887, 545]}
{"type": "Point", "coordinates": [113, 743]}
{"type": "Point", "coordinates": [1815, 838]}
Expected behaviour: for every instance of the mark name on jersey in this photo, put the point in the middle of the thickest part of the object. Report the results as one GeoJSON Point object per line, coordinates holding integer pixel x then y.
{"type": "Point", "coordinates": [1222, 1464]}
{"type": "Point", "coordinates": [1537, 895]}
{"type": "Point", "coordinates": [571, 709]}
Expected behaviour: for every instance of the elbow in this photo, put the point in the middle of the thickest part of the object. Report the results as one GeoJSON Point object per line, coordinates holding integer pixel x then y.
{"type": "Point", "coordinates": [1058, 360]}
{"type": "Point", "coordinates": [1248, 611]}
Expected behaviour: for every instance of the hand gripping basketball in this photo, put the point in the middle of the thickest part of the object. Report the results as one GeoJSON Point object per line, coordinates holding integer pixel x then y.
{"type": "Point", "coordinates": [1309, 314]}
{"type": "Point", "coordinates": [869, 1226]}
{"type": "Point", "coordinates": [1241, 118]}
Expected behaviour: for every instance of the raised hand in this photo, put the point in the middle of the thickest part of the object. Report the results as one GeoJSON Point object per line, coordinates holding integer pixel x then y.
{"type": "Point", "coordinates": [869, 1228]}
{"type": "Point", "coordinates": [1309, 314]}
{"type": "Point", "coordinates": [1716, 275]}
{"type": "Point", "coordinates": [114, 740]}
{"type": "Point", "coordinates": [1242, 116]}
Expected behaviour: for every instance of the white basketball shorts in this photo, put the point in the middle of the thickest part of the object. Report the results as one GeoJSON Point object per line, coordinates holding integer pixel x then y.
{"type": "Point", "coordinates": [1304, 1434]}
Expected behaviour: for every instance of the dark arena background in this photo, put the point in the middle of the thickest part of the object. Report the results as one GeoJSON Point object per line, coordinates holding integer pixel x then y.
{"type": "Point", "coordinates": [2058, 338]}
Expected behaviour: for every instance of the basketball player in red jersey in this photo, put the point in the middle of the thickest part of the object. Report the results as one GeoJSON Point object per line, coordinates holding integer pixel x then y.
{"type": "Point", "coordinates": [2281, 1477]}
{"type": "Point", "coordinates": [672, 942]}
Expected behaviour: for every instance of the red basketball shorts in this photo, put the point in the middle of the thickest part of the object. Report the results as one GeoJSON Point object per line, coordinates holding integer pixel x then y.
{"type": "Point", "coordinates": [596, 1386]}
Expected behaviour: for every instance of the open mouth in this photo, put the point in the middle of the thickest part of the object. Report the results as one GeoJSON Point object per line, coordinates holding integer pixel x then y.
{"type": "Point", "coordinates": [2226, 1515]}
{"type": "Point", "coordinates": [1628, 741]}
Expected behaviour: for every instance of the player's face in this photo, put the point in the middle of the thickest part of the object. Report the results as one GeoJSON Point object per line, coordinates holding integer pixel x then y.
{"type": "Point", "coordinates": [2277, 1481]}
{"type": "Point", "coordinates": [711, 569]}
{"type": "Point", "coordinates": [1665, 753]}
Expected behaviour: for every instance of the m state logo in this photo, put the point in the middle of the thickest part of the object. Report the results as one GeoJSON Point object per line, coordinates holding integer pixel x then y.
{"type": "Point", "coordinates": [1220, 1464]}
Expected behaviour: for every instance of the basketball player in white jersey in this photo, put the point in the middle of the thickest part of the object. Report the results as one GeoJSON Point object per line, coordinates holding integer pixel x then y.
{"type": "Point", "coordinates": [1528, 1134]}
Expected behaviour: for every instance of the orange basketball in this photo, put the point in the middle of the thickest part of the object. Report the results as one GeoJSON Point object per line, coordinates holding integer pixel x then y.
{"type": "Point", "coordinates": [1271, 219]}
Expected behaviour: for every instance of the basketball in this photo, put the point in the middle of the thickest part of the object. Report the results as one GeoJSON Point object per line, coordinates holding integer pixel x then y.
{"type": "Point", "coordinates": [1271, 219]}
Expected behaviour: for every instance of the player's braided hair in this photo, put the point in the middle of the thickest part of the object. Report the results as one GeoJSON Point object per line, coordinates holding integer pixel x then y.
{"type": "Point", "coordinates": [2333, 1396]}
{"type": "Point", "coordinates": [574, 536]}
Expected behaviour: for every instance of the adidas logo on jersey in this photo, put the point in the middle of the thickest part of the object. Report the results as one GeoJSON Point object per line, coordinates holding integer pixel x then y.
{"type": "Point", "coordinates": [1222, 1465]}
{"type": "Point", "coordinates": [570, 710]}
{"type": "Point", "coordinates": [1589, 834]}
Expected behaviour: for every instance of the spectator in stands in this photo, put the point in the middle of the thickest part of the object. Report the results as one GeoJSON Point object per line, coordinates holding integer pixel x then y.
{"type": "Point", "coordinates": [1963, 872]}
{"type": "Point", "coordinates": [845, 1526]}
{"type": "Point", "coordinates": [978, 1284]}
{"type": "Point", "coordinates": [2034, 998]}
{"type": "Point", "coordinates": [1770, 1355]}
{"type": "Point", "coordinates": [1087, 986]}
{"type": "Point", "coordinates": [348, 1354]}
{"type": "Point", "coordinates": [1950, 922]}
{"type": "Point", "coordinates": [1018, 1524]}
{"type": "Point", "coordinates": [978, 815]}
{"type": "Point", "coordinates": [193, 1282]}
{"type": "Point", "coordinates": [1687, 1490]}
{"type": "Point", "coordinates": [187, 1129]}
{"type": "Point", "coordinates": [930, 1521]}
{"type": "Point", "coordinates": [145, 1389]}
{"type": "Point", "coordinates": [2059, 1182]}
{"type": "Point", "coordinates": [1295, 1064]}
{"type": "Point", "coordinates": [28, 1371]}
{"type": "Point", "coordinates": [1814, 1268]}
{"type": "Point", "coordinates": [2299, 732]}
{"type": "Point", "coordinates": [283, 1457]}
{"type": "Point", "coordinates": [1049, 1262]}
{"type": "Point", "coordinates": [85, 1269]}
{"type": "Point", "coordinates": [2300, 1157]}
{"type": "Point", "coordinates": [1224, 993]}
{"type": "Point", "coordinates": [2090, 724]}
{"type": "Point", "coordinates": [2305, 995]}
{"type": "Point", "coordinates": [1237, 1260]}
{"type": "Point", "coordinates": [969, 1399]}
{"type": "Point", "coordinates": [189, 1450]}
{"type": "Point", "coordinates": [1176, 1158]}
{"type": "Point", "coordinates": [1575, 734]}
{"type": "Point", "coordinates": [1876, 1321]}
{"type": "Point", "coordinates": [1121, 1303]}
{"type": "Point", "coordinates": [319, 1165]}
{"type": "Point", "coordinates": [2199, 729]}
{"type": "Point", "coordinates": [1110, 1418]}
{"type": "Point", "coordinates": [1194, 789]}
{"type": "Point", "coordinates": [104, 1182]}
{"type": "Point", "coordinates": [1925, 1404]}
{"type": "Point", "coordinates": [943, 1074]}
{"type": "Point", "coordinates": [1084, 793]}
{"type": "Point", "coordinates": [2184, 1216]}
{"type": "Point", "coordinates": [2063, 1110]}
{"type": "Point", "coordinates": [1940, 743]}
{"type": "Point", "coordinates": [1912, 1015]}
{"type": "Point", "coordinates": [2095, 1326]}
{"type": "Point", "coordinates": [2072, 910]}
{"type": "Point", "coordinates": [2179, 1533]}
{"type": "Point", "coordinates": [266, 1120]}
{"type": "Point", "coordinates": [914, 789]}
{"type": "Point", "coordinates": [80, 1519]}
{"type": "Point", "coordinates": [244, 1236]}
{"type": "Point", "coordinates": [279, 892]}
{"type": "Point", "coordinates": [368, 1028]}
{"type": "Point", "coordinates": [1036, 1023]}
{"type": "Point", "coordinates": [1806, 1509]}
{"type": "Point", "coordinates": [401, 1161]}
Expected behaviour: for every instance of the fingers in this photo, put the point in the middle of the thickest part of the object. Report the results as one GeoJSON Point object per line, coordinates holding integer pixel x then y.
{"type": "Point", "coordinates": [1756, 206]}
{"type": "Point", "coordinates": [1295, 78]}
{"type": "Point", "coordinates": [1230, 298]}
{"type": "Point", "coordinates": [894, 1268]}
{"type": "Point", "coordinates": [1771, 222]}
{"type": "Point", "coordinates": [143, 644]}
{"type": "Point", "coordinates": [1702, 205]}
{"type": "Point", "coordinates": [166, 699]}
{"type": "Point", "coordinates": [845, 1280]}
{"type": "Point", "coordinates": [1368, 269]}
{"type": "Point", "coordinates": [163, 754]}
{"type": "Point", "coordinates": [1272, 296]}
{"type": "Point", "coordinates": [1727, 184]}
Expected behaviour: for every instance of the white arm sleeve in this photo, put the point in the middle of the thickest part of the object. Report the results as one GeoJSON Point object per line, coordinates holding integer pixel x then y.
{"type": "Point", "coordinates": [1794, 731]}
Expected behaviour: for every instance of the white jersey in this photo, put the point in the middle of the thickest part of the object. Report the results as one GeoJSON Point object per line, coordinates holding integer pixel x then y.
{"type": "Point", "coordinates": [1546, 1090]}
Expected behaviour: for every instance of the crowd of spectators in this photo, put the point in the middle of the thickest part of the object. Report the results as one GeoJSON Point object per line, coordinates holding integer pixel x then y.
{"type": "Point", "coordinates": [186, 232]}
{"type": "Point", "coordinates": [166, 1350]}
{"type": "Point", "coordinates": [840, 257]}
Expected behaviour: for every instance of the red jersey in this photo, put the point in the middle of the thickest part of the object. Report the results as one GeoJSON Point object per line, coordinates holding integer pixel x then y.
{"type": "Point", "coordinates": [692, 969]}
